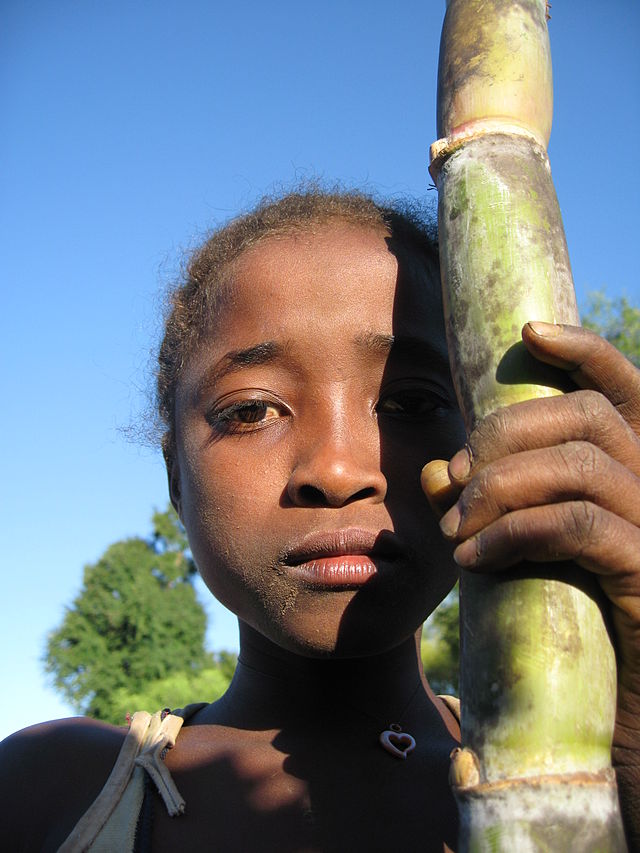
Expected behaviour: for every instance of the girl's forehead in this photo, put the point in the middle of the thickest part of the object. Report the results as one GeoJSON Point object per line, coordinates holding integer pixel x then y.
{"type": "Point", "coordinates": [334, 263]}
{"type": "Point", "coordinates": [326, 303]}
{"type": "Point", "coordinates": [314, 245]}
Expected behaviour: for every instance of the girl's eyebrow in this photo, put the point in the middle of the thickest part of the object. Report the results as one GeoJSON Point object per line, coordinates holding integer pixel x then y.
{"type": "Point", "coordinates": [415, 348]}
{"type": "Point", "coordinates": [407, 346]}
{"type": "Point", "coordinates": [258, 354]}
{"type": "Point", "coordinates": [262, 353]}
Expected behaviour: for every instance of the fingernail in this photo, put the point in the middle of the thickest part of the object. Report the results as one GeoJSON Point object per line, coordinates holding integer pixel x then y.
{"type": "Point", "coordinates": [545, 330]}
{"type": "Point", "coordinates": [466, 554]}
{"type": "Point", "coordinates": [460, 465]}
{"type": "Point", "coordinates": [450, 522]}
{"type": "Point", "coordinates": [435, 478]}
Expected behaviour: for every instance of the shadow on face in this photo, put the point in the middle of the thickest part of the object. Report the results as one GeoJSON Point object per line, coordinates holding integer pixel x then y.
{"type": "Point", "coordinates": [418, 363]}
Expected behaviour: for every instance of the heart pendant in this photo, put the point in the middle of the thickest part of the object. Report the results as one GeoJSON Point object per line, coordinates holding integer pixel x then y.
{"type": "Point", "coordinates": [397, 742]}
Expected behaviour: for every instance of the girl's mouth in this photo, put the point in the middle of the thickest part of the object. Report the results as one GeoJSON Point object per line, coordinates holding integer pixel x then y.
{"type": "Point", "coordinates": [345, 571]}
{"type": "Point", "coordinates": [342, 558]}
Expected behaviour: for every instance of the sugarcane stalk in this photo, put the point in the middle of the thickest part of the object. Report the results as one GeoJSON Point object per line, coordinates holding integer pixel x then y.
{"type": "Point", "coordinates": [538, 676]}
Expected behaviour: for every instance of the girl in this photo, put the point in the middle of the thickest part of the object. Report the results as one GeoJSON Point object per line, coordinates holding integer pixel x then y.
{"type": "Point", "coordinates": [304, 384]}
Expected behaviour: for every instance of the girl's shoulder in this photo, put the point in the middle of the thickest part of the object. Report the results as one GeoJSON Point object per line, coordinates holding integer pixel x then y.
{"type": "Point", "coordinates": [50, 774]}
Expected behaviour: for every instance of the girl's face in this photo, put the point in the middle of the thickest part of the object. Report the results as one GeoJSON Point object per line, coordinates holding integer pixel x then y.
{"type": "Point", "coordinates": [302, 426]}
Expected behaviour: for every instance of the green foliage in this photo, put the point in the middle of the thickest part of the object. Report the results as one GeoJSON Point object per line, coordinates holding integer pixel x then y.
{"type": "Point", "coordinates": [440, 648]}
{"type": "Point", "coordinates": [177, 689]}
{"type": "Point", "coordinates": [169, 535]}
{"type": "Point", "coordinates": [616, 320]}
{"type": "Point", "coordinates": [226, 662]}
{"type": "Point", "coordinates": [135, 625]}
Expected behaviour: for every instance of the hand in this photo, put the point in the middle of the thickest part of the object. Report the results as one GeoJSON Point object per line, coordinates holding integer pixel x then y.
{"type": "Point", "coordinates": [555, 479]}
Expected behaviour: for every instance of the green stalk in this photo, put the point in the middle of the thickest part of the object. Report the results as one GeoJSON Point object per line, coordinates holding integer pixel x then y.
{"type": "Point", "coordinates": [538, 677]}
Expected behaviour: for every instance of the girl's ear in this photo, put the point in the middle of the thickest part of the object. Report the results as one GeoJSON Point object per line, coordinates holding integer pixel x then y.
{"type": "Point", "coordinates": [173, 477]}
{"type": "Point", "coordinates": [173, 480]}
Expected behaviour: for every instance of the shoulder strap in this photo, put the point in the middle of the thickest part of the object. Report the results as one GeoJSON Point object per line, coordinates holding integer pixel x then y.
{"type": "Point", "coordinates": [110, 821]}
{"type": "Point", "coordinates": [189, 711]}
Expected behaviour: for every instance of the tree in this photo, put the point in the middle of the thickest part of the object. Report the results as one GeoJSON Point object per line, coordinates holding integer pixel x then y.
{"type": "Point", "coordinates": [177, 689]}
{"type": "Point", "coordinates": [616, 320]}
{"type": "Point", "coordinates": [136, 631]}
{"type": "Point", "coordinates": [440, 646]}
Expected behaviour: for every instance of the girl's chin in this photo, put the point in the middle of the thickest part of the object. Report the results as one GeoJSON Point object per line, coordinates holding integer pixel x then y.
{"type": "Point", "coordinates": [346, 631]}
{"type": "Point", "coordinates": [335, 606]}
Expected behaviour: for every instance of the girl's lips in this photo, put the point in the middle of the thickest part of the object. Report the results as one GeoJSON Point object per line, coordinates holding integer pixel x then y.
{"type": "Point", "coordinates": [349, 570]}
{"type": "Point", "coordinates": [341, 558]}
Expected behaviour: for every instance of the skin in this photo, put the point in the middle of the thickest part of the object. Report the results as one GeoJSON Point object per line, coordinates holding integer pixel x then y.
{"type": "Point", "coordinates": [345, 430]}
{"type": "Point", "coordinates": [324, 435]}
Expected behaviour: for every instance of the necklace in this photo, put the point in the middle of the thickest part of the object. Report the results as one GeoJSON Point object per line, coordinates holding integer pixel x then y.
{"type": "Point", "coordinates": [392, 739]}
{"type": "Point", "coordinates": [397, 742]}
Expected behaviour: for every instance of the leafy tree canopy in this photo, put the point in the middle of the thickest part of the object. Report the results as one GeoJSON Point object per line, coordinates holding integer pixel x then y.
{"type": "Point", "coordinates": [616, 320]}
{"type": "Point", "coordinates": [440, 647]}
{"type": "Point", "coordinates": [135, 629]}
{"type": "Point", "coordinates": [178, 689]}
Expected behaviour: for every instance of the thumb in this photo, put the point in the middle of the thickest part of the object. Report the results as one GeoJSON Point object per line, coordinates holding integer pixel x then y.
{"type": "Point", "coordinates": [438, 487]}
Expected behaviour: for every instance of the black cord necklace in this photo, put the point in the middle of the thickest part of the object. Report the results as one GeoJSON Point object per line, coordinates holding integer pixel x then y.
{"type": "Point", "coordinates": [396, 741]}
{"type": "Point", "coordinates": [393, 738]}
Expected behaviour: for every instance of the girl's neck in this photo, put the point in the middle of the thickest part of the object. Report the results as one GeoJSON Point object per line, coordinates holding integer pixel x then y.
{"type": "Point", "coordinates": [273, 687]}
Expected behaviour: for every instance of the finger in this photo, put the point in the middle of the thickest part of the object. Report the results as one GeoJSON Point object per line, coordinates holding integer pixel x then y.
{"type": "Point", "coordinates": [591, 362]}
{"type": "Point", "coordinates": [441, 492]}
{"type": "Point", "coordinates": [572, 471]}
{"type": "Point", "coordinates": [598, 540]}
{"type": "Point", "coordinates": [595, 538]}
{"type": "Point", "coordinates": [578, 416]}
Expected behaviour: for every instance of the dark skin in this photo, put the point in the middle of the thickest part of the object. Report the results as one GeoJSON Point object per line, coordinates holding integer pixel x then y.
{"type": "Point", "coordinates": [329, 433]}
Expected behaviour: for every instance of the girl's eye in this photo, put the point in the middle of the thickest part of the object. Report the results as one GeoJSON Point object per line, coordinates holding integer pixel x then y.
{"type": "Point", "coordinates": [245, 416]}
{"type": "Point", "coordinates": [411, 404]}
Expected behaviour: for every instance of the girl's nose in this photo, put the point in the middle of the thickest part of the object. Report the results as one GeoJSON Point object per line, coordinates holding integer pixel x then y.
{"type": "Point", "coordinates": [337, 467]}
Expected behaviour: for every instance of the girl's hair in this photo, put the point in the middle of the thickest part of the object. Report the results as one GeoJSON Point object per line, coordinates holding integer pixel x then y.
{"type": "Point", "coordinates": [193, 305]}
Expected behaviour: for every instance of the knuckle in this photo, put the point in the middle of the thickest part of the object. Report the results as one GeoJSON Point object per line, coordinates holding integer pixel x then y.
{"type": "Point", "coordinates": [489, 430]}
{"type": "Point", "coordinates": [513, 526]}
{"type": "Point", "coordinates": [484, 494]}
{"type": "Point", "coordinates": [593, 407]}
{"type": "Point", "coordinates": [601, 423]}
{"type": "Point", "coordinates": [582, 456]}
{"type": "Point", "coordinates": [583, 517]}
{"type": "Point", "coordinates": [476, 491]}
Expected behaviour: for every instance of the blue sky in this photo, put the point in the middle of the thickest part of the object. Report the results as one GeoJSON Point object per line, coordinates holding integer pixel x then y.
{"type": "Point", "coordinates": [128, 130]}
